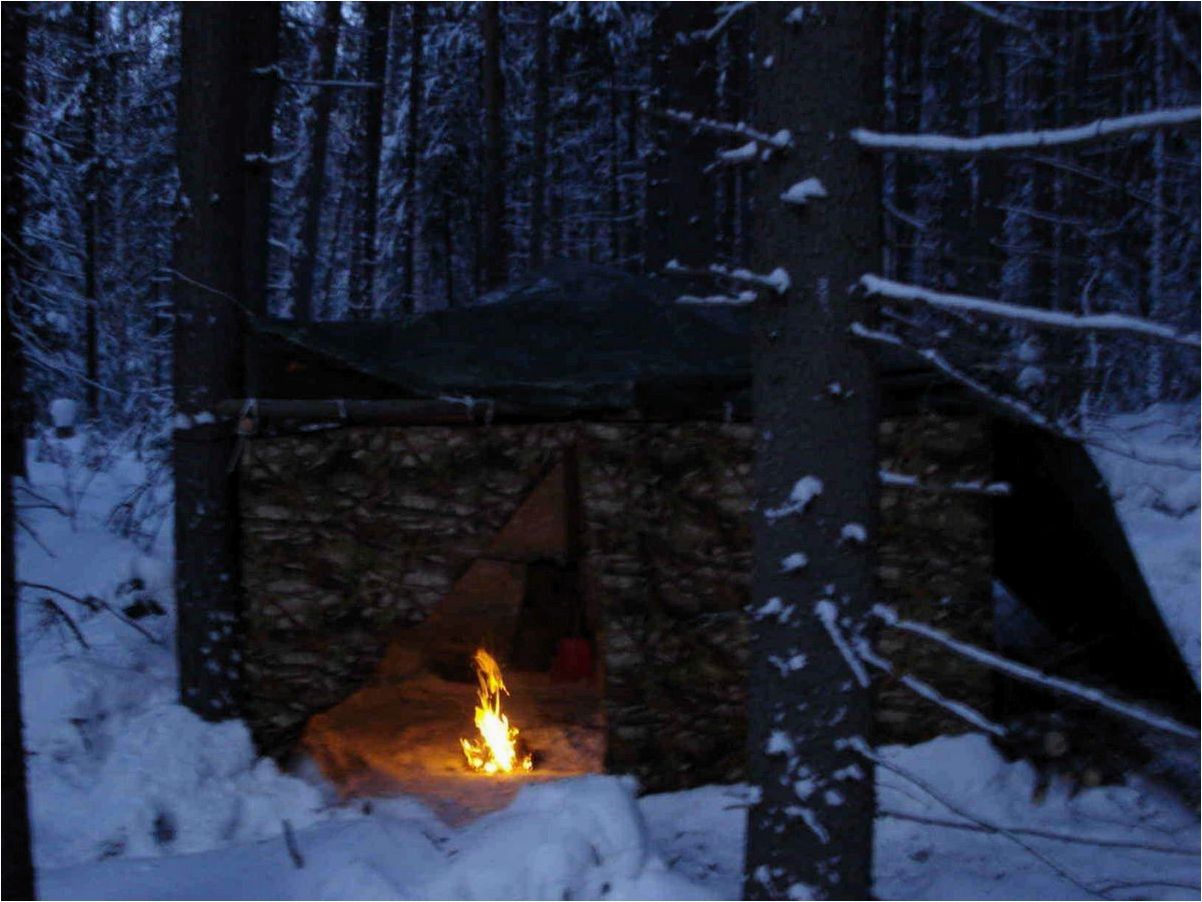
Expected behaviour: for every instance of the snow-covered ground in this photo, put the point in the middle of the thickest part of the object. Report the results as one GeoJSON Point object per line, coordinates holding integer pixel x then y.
{"type": "Point", "coordinates": [1158, 506]}
{"type": "Point", "coordinates": [133, 796]}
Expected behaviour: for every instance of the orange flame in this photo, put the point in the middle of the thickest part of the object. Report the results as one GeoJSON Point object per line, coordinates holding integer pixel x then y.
{"type": "Point", "coordinates": [495, 752]}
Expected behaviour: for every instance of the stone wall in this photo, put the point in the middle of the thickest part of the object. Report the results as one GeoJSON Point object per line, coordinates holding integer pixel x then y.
{"type": "Point", "coordinates": [352, 535]}
{"type": "Point", "coordinates": [934, 565]}
{"type": "Point", "coordinates": [669, 564]}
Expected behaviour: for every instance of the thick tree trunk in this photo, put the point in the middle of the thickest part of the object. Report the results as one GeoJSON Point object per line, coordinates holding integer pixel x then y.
{"type": "Point", "coordinates": [363, 289]}
{"type": "Point", "coordinates": [810, 833]}
{"type": "Point", "coordinates": [542, 108]}
{"type": "Point", "coordinates": [16, 403]}
{"type": "Point", "coordinates": [495, 239]}
{"type": "Point", "coordinates": [323, 103]}
{"type": "Point", "coordinates": [680, 196]}
{"type": "Point", "coordinates": [224, 118]}
{"type": "Point", "coordinates": [413, 146]}
{"type": "Point", "coordinates": [18, 881]}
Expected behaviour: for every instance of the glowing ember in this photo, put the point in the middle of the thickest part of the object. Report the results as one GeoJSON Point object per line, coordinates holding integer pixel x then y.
{"type": "Point", "coordinates": [495, 752]}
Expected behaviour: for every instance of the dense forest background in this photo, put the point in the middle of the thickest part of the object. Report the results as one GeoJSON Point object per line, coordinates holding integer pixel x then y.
{"type": "Point", "coordinates": [425, 154]}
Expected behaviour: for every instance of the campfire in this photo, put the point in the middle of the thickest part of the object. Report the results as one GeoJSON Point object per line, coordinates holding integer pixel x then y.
{"type": "Point", "coordinates": [496, 750]}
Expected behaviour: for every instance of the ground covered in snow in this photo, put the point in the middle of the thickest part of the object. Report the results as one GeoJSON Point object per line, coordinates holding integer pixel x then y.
{"type": "Point", "coordinates": [132, 796]}
{"type": "Point", "coordinates": [1158, 506]}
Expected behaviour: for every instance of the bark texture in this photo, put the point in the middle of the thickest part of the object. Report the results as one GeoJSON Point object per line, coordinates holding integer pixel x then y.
{"type": "Point", "coordinates": [815, 395]}
{"type": "Point", "coordinates": [542, 105]}
{"type": "Point", "coordinates": [323, 103]}
{"type": "Point", "coordinates": [363, 284]}
{"type": "Point", "coordinates": [495, 249]}
{"type": "Point", "coordinates": [413, 149]}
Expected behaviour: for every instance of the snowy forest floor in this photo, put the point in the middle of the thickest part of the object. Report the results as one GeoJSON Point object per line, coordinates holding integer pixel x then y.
{"type": "Point", "coordinates": [133, 796]}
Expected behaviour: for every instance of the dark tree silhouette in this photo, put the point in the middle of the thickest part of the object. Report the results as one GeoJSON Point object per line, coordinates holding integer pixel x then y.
{"type": "Point", "coordinates": [323, 102]}
{"type": "Point", "coordinates": [17, 867]}
{"type": "Point", "coordinates": [680, 194]}
{"type": "Point", "coordinates": [224, 118]}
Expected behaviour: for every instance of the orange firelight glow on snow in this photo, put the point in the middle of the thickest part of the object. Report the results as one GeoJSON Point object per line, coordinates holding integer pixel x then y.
{"type": "Point", "coordinates": [495, 751]}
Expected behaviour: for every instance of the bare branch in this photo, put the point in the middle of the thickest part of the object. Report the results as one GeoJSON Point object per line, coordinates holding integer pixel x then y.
{"type": "Point", "coordinates": [1025, 412]}
{"type": "Point", "coordinates": [782, 140]}
{"type": "Point", "coordinates": [1099, 841]}
{"type": "Point", "coordinates": [1036, 678]}
{"type": "Point", "coordinates": [966, 713]}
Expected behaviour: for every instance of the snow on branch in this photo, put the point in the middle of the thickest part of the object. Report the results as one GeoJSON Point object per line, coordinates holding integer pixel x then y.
{"type": "Point", "coordinates": [894, 479]}
{"type": "Point", "coordinates": [1037, 678]}
{"type": "Point", "coordinates": [1026, 413]}
{"type": "Point", "coordinates": [967, 713]}
{"type": "Point", "coordinates": [778, 280]}
{"type": "Point", "coordinates": [781, 140]}
{"type": "Point", "coordinates": [727, 300]}
{"type": "Point", "coordinates": [826, 611]}
{"type": "Point", "coordinates": [801, 193]}
{"type": "Point", "coordinates": [726, 11]}
{"type": "Point", "coordinates": [1049, 319]}
{"type": "Point", "coordinates": [1003, 141]}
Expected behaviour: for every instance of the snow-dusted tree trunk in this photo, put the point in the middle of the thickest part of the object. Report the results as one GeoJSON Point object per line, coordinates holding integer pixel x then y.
{"type": "Point", "coordinates": [17, 868]}
{"type": "Point", "coordinates": [224, 112]}
{"type": "Point", "coordinates": [495, 248]}
{"type": "Point", "coordinates": [810, 833]}
{"type": "Point", "coordinates": [413, 146]}
{"type": "Point", "coordinates": [539, 130]}
{"type": "Point", "coordinates": [363, 285]}
{"type": "Point", "coordinates": [323, 102]}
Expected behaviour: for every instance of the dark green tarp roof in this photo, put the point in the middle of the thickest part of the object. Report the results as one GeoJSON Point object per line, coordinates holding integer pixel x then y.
{"type": "Point", "coordinates": [571, 336]}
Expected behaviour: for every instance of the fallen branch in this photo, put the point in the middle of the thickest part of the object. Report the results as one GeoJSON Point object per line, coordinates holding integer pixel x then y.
{"type": "Point", "coordinates": [92, 603]}
{"type": "Point", "coordinates": [56, 609]}
{"type": "Point", "coordinates": [858, 745]}
{"type": "Point", "coordinates": [1036, 678]}
{"type": "Point", "coordinates": [1092, 131]}
{"type": "Point", "coordinates": [294, 852]}
{"type": "Point", "coordinates": [1014, 313]}
{"type": "Point", "coordinates": [1099, 841]}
